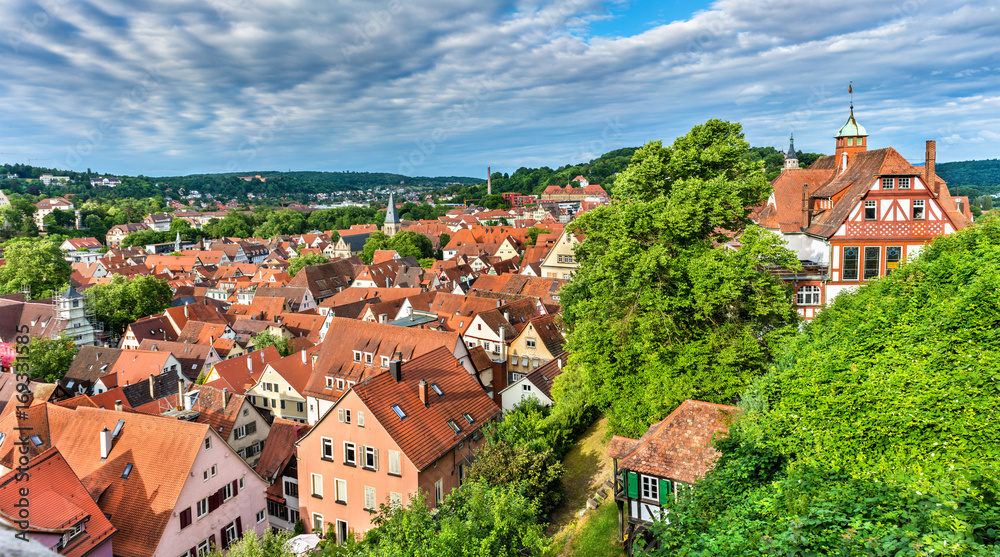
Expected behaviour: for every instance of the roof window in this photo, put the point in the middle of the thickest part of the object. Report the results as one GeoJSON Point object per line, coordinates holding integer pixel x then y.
{"type": "Point", "coordinates": [128, 470]}
{"type": "Point", "coordinates": [36, 440]}
{"type": "Point", "coordinates": [118, 429]}
{"type": "Point", "coordinates": [454, 427]}
{"type": "Point", "coordinates": [437, 389]}
{"type": "Point", "coordinates": [468, 417]}
{"type": "Point", "coordinates": [399, 411]}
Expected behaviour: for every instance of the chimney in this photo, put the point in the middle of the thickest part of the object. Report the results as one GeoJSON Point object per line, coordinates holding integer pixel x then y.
{"type": "Point", "coordinates": [187, 401]}
{"type": "Point", "coordinates": [211, 339]}
{"type": "Point", "coordinates": [805, 206]}
{"type": "Point", "coordinates": [105, 443]}
{"type": "Point", "coordinates": [422, 391]}
{"type": "Point", "coordinates": [180, 389]}
{"type": "Point", "coordinates": [151, 394]}
{"type": "Point", "coordinates": [225, 397]}
{"type": "Point", "coordinates": [396, 369]}
{"type": "Point", "coordinates": [930, 177]}
{"type": "Point", "coordinates": [118, 407]}
{"type": "Point", "coordinates": [489, 182]}
{"type": "Point", "coordinates": [303, 356]}
{"type": "Point", "coordinates": [559, 362]}
{"type": "Point", "coordinates": [186, 315]}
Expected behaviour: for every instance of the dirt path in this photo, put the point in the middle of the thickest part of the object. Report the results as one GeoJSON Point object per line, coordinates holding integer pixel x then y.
{"type": "Point", "coordinates": [587, 468]}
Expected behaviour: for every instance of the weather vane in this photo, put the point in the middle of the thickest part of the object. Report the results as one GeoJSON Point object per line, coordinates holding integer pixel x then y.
{"type": "Point", "coordinates": [850, 90]}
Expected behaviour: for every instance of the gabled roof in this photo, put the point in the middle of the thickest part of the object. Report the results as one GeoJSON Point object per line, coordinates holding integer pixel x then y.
{"type": "Point", "coordinates": [543, 377]}
{"type": "Point", "coordinates": [680, 446]}
{"type": "Point", "coordinates": [242, 372]}
{"type": "Point", "coordinates": [58, 502]}
{"type": "Point", "coordinates": [135, 366]}
{"type": "Point", "coordinates": [161, 452]}
{"type": "Point", "coordinates": [93, 362]}
{"type": "Point", "coordinates": [424, 434]}
{"type": "Point", "coordinates": [42, 420]}
{"type": "Point", "coordinates": [345, 336]}
{"type": "Point", "coordinates": [326, 279]}
{"type": "Point", "coordinates": [279, 447]}
{"type": "Point", "coordinates": [296, 368]}
{"type": "Point", "coordinates": [191, 357]}
{"type": "Point", "coordinates": [210, 404]}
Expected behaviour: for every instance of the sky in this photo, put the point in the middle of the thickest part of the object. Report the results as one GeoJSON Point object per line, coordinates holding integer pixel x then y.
{"type": "Point", "coordinates": [449, 87]}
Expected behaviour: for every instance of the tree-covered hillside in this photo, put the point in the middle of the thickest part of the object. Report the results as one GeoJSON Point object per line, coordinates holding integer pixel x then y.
{"type": "Point", "coordinates": [972, 178]}
{"type": "Point", "coordinates": [876, 434]}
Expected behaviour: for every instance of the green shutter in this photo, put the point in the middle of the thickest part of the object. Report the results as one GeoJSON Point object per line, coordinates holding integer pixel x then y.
{"type": "Point", "coordinates": [633, 485]}
{"type": "Point", "coordinates": [666, 488]}
{"type": "Point", "coordinates": [624, 479]}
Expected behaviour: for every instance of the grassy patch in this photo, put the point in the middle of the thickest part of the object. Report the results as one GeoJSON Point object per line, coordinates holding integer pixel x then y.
{"type": "Point", "coordinates": [598, 535]}
{"type": "Point", "coordinates": [587, 467]}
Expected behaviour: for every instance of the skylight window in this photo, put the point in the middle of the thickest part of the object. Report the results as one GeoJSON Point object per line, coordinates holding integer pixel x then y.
{"type": "Point", "coordinates": [437, 389]}
{"type": "Point", "coordinates": [454, 427]}
{"type": "Point", "coordinates": [118, 429]}
{"type": "Point", "coordinates": [36, 440]}
{"type": "Point", "coordinates": [399, 411]}
{"type": "Point", "coordinates": [468, 417]}
{"type": "Point", "coordinates": [128, 470]}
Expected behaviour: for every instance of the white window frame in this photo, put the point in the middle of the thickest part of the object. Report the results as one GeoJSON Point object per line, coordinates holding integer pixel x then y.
{"type": "Point", "coordinates": [261, 516]}
{"type": "Point", "coordinates": [650, 488]}
{"type": "Point", "coordinates": [208, 443]}
{"type": "Point", "coordinates": [340, 489]}
{"type": "Point", "coordinates": [922, 205]}
{"type": "Point", "coordinates": [904, 183]}
{"type": "Point", "coordinates": [227, 492]}
{"type": "Point", "coordinates": [888, 183]}
{"type": "Point", "coordinates": [371, 452]}
{"type": "Point", "coordinates": [317, 480]}
{"type": "Point", "coordinates": [808, 295]}
{"type": "Point", "coordinates": [371, 502]}
{"type": "Point", "coordinates": [438, 492]}
{"type": "Point", "coordinates": [198, 507]}
{"type": "Point", "coordinates": [354, 450]}
{"type": "Point", "coordinates": [873, 205]}
{"type": "Point", "coordinates": [326, 443]}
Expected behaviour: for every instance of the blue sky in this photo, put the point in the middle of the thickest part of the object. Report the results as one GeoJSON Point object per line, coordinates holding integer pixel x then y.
{"type": "Point", "coordinates": [447, 87]}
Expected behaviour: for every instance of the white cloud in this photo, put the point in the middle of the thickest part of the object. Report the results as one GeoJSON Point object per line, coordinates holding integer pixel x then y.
{"type": "Point", "coordinates": [187, 86]}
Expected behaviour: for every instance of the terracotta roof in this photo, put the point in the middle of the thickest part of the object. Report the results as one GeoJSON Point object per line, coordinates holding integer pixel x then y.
{"type": "Point", "coordinates": [543, 377]}
{"type": "Point", "coordinates": [326, 279]}
{"type": "Point", "coordinates": [134, 366]}
{"type": "Point", "coordinates": [154, 388]}
{"type": "Point", "coordinates": [345, 336]}
{"type": "Point", "coordinates": [210, 404]}
{"type": "Point", "coordinates": [190, 356]}
{"type": "Point", "coordinates": [199, 332]}
{"type": "Point", "coordinates": [44, 420]}
{"type": "Point", "coordinates": [424, 434]}
{"type": "Point", "coordinates": [279, 447]}
{"type": "Point", "coordinates": [156, 327]}
{"type": "Point", "coordinates": [242, 372]}
{"type": "Point", "coordinates": [296, 368]}
{"type": "Point", "coordinates": [141, 505]}
{"type": "Point", "coordinates": [680, 446]}
{"type": "Point", "coordinates": [58, 502]}
{"type": "Point", "coordinates": [481, 360]}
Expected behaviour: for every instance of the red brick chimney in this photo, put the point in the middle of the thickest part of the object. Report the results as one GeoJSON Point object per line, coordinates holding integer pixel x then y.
{"type": "Point", "coordinates": [930, 176]}
{"type": "Point", "coordinates": [422, 391]}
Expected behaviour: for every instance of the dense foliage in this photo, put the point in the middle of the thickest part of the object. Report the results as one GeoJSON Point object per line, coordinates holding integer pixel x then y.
{"type": "Point", "coordinates": [38, 265]}
{"type": "Point", "coordinates": [296, 264]}
{"type": "Point", "coordinates": [876, 432]}
{"type": "Point", "coordinates": [971, 177]}
{"type": "Point", "coordinates": [518, 453]}
{"type": "Point", "coordinates": [405, 243]}
{"type": "Point", "coordinates": [660, 310]}
{"type": "Point", "coordinates": [122, 301]}
{"type": "Point", "coordinates": [49, 358]}
{"type": "Point", "coordinates": [475, 520]}
{"type": "Point", "coordinates": [271, 544]}
{"type": "Point", "coordinates": [264, 339]}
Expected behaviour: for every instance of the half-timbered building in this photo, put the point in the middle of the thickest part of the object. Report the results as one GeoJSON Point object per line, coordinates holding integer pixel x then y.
{"type": "Point", "coordinates": [663, 464]}
{"type": "Point", "coordinates": [857, 215]}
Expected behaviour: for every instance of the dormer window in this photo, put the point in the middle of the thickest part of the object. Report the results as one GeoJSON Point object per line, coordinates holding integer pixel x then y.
{"type": "Point", "coordinates": [904, 183]}
{"type": "Point", "coordinates": [887, 183]}
{"type": "Point", "coordinates": [368, 357]}
{"type": "Point", "coordinates": [357, 355]}
{"type": "Point", "coordinates": [385, 362]}
{"type": "Point", "coordinates": [340, 384]}
{"type": "Point", "coordinates": [329, 382]}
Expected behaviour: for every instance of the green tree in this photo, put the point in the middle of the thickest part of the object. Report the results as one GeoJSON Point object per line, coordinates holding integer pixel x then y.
{"type": "Point", "coordinates": [49, 358]}
{"type": "Point", "coordinates": [297, 263]}
{"type": "Point", "coordinates": [122, 301]}
{"type": "Point", "coordinates": [660, 309]}
{"type": "Point", "coordinates": [873, 433]}
{"type": "Point", "coordinates": [264, 339]}
{"type": "Point", "coordinates": [474, 521]}
{"type": "Point", "coordinates": [144, 237]}
{"type": "Point", "coordinates": [405, 243]}
{"type": "Point", "coordinates": [39, 265]}
{"type": "Point", "coordinates": [271, 544]}
{"type": "Point", "coordinates": [987, 203]}
{"type": "Point", "coordinates": [518, 453]}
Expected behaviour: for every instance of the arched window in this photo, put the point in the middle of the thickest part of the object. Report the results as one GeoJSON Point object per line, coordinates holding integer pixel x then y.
{"type": "Point", "coordinates": [808, 296]}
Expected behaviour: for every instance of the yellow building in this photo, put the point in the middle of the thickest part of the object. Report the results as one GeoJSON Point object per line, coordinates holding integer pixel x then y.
{"type": "Point", "coordinates": [560, 262]}
{"type": "Point", "coordinates": [279, 388]}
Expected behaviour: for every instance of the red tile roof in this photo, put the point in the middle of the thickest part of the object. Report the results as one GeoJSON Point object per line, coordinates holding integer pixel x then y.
{"type": "Point", "coordinates": [240, 373]}
{"type": "Point", "coordinates": [424, 434]}
{"type": "Point", "coordinates": [279, 448]}
{"type": "Point", "coordinates": [680, 446]}
{"type": "Point", "coordinates": [58, 502]}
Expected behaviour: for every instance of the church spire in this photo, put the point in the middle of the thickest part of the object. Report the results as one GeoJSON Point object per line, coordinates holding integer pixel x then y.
{"type": "Point", "coordinates": [791, 158]}
{"type": "Point", "coordinates": [391, 225]}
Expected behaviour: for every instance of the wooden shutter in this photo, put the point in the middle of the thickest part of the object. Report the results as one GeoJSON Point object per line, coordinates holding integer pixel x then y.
{"type": "Point", "coordinates": [211, 540]}
{"type": "Point", "coordinates": [236, 488]}
{"type": "Point", "coordinates": [376, 459]}
{"type": "Point", "coordinates": [239, 527]}
{"type": "Point", "coordinates": [185, 518]}
{"type": "Point", "coordinates": [194, 551]}
{"type": "Point", "coordinates": [666, 488]}
{"type": "Point", "coordinates": [225, 538]}
{"type": "Point", "coordinates": [633, 485]}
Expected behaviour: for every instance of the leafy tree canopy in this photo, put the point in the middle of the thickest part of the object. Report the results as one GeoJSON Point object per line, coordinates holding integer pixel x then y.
{"type": "Point", "coordinates": [297, 263]}
{"type": "Point", "coordinates": [49, 358]}
{"type": "Point", "coordinates": [264, 339]}
{"type": "Point", "coordinates": [38, 264]}
{"type": "Point", "coordinates": [122, 301]}
{"type": "Point", "coordinates": [875, 433]}
{"type": "Point", "coordinates": [405, 243]}
{"type": "Point", "coordinates": [660, 310]}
